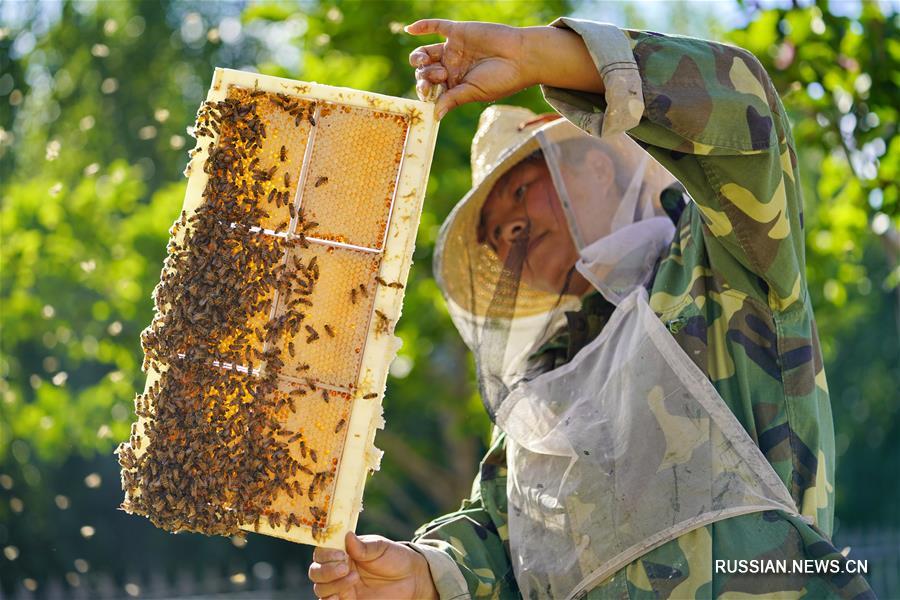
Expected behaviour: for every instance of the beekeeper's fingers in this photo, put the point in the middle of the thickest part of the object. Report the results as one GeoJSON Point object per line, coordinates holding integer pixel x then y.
{"type": "Point", "coordinates": [432, 73]}
{"type": "Point", "coordinates": [328, 572]}
{"type": "Point", "coordinates": [426, 26]}
{"type": "Point", "coordinates": [339, 586]}
{"type": "Point", "coordinates": [424, 90]}
{"type": "Point", "coordinates": [323, 555]}
{"type": "Point", "coordinates": [426, 55]}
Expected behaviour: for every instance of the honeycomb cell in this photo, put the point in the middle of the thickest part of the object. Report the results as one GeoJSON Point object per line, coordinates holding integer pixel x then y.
{"type": "Point", "coordinates": [336, 307]}
{"type": "Point", "coordinates": [313, 423]}
{"type": "Point", "coordinates": [352, 173]}
{"type": "Point", "coordinates": [271, 176]}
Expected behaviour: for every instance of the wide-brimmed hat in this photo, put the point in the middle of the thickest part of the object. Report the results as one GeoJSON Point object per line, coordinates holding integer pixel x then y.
{"type": "Point", "coordinates": [467, 271]}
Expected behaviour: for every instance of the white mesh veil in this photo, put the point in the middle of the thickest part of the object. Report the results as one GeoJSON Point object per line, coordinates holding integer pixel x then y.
{"type": "Point", "coordinates": [628, 445]}
{"type": "Point", "coordinates": [608, 190]}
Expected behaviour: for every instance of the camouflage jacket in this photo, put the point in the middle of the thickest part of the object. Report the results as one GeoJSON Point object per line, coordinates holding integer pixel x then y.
{"type": "Point", "coordinates": [732, 291]}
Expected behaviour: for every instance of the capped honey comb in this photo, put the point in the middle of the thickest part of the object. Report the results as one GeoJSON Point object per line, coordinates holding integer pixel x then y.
{"type": "Point", "coordinates": [268, 353]}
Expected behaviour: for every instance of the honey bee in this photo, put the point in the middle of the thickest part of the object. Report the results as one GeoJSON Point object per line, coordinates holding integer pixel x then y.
{"type": "Point", "coordinates": [283, 154]}
{"type": "Point", "coordinates": [329, 331]}
{"type": "Point", "coordinates": [340, 425]}
{"type": "Point", "coordinates": [369, 396]}
{"type": "Point", "coordinates": [383, 322]}
{"type": "Point", "coordinates": [321, 181]}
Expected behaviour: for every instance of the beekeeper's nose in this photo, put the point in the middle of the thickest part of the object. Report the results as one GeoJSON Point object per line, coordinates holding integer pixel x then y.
{"type": "Point", "coordinates": [512, 230]}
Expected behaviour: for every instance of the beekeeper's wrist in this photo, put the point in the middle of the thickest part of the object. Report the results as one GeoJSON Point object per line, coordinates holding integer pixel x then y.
{"type": "Point", "coordinates": [425, 587]}
{"type": "Point", "coordinates": [559, 58]}
{"type": "Point", "coordinates": [442, 571]}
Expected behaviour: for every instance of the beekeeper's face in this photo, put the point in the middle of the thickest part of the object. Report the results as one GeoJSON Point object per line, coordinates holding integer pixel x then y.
{"type": "Point", "coordinates": [524, 202]}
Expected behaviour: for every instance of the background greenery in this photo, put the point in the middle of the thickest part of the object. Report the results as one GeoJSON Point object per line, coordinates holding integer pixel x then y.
{"type": "Point", "coordinates": [94, 102]}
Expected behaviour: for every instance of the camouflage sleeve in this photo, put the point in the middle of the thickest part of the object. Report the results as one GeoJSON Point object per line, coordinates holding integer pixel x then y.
{"type": "Point", "coordinates": [709, 113]}
{"type": "Point", "coordinates": [474, 538]}
{"type": "Point", "coordinates": [446, 575]}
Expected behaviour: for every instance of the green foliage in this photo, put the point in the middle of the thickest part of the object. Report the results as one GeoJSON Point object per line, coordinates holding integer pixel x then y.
{"type": "Point", "coordinates": [92, 144]}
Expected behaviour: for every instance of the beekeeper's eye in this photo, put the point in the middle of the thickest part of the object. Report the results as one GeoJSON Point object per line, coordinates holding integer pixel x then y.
{"type": "Point", "coordinates": [520, 192]}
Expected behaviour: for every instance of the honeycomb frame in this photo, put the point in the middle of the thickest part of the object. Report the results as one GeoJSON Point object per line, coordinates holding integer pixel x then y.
{"type": "Point", "coordinates": [359, 456]}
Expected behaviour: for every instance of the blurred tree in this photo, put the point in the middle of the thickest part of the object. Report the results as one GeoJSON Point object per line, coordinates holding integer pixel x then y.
{"type": "Point", "coordinates": [94, 99]}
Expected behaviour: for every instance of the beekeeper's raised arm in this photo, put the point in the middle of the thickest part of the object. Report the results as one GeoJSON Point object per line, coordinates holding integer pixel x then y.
{"type": "Point", "coordinates": [483, 62]}
{"type": "Point", "coordinates": [706, 111]}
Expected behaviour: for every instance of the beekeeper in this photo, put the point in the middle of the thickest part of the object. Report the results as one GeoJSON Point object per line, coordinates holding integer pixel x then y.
{"type": "Point", "coordinates": [631, 281]}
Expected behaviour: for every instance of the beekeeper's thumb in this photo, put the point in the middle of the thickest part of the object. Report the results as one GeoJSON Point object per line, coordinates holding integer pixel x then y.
{"type": "Point", "coordinates": [366, 548]}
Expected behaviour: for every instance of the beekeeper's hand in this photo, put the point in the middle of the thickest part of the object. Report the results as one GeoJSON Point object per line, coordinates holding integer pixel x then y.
{"type": "Point", "coordinates": [483, 62]}
{"type": "Point", "coordinates": [372, 567]}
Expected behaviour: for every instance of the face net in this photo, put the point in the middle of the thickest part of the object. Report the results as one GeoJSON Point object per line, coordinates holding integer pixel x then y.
{"type": "Point", "coordinates": [607, 190]}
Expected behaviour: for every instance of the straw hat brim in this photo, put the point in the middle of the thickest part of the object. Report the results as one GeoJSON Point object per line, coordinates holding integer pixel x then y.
{"type": "Point", "coordinates": [467, 271]}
